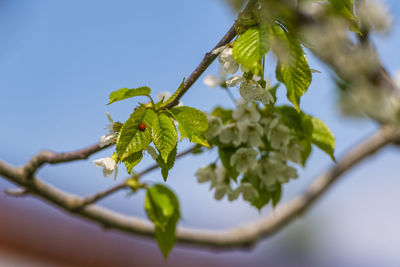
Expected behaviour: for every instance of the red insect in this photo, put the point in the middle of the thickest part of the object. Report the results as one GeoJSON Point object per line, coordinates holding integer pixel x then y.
{"type": "Point", "coordinates": [142, 127]}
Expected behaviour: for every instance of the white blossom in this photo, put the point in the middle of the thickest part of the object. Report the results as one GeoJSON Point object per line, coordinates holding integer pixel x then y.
{"type": "Point", "coordinates": [375, 14]}
{"type": "Point", "coordinates": [206, 174]}
{"type": "Point", "coordinates": [277, 133]}
{"type": "Point", "coordinates": [248, 191]}
{"type": "Point", "coordinates": [226, 59]}
{"type": "Point", "coordinates": [244, 159]}
{"type": "Point", "coordinates": [109, 166]}
{"type": "Point", "coordinates": [214, 127]}
{"type": "Point", "coordinates": [213, 81]}
{"type": "Point", "coordinates": [230, 133]}
{"type": "Point", "coordinates": [250, 90]}
{"type": "Point", "coordinates": [251, 133]}
{"type": "Point", "coordinates": [272, 170]}
{"type": "Point", "coordinates": [245, 113]}
{"type": "Point", "coordinates": [106, 140]}
{"type": "Point", "coordinates": [292, 152]}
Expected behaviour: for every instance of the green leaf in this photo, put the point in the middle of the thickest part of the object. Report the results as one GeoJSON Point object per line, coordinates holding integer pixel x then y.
{"type": "Point", "coordinates": [173, 97]}
{"type": "Point", "coordinates": [133, 160]}
{"type": "Point", "coordinates": [225, 154]}
{"type": "Point", "coordinates": [125, 93]}
{"type": "Point", "coordinates": [276, 195]}
{"type": "Point", "coordinates": [263, 198]}
{"type": "Point", "coordinates": [306, 152]}
{"type": "Point", "coordinates": [192, 124]}
{"type": "Point", "coordinates": [292, 68]}
{"type": "Point", "coordinates": [165, 136]}
{"type": "Point", "coordinates": [322, 137]}
{"type": "Point", "coordinates": [250, 48]}
{"type": "Point", "coordinates": [224, 114]}
{"type": "Point", "coordinates": [130, 138]}
{"type": "Point", "coordinates": [162, 208]}
{"type": "Point", "coordinates": [165, 167]}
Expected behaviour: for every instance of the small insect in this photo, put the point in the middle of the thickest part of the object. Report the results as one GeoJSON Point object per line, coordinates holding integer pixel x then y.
{"type": "Point", "coordinates": [142, 127]}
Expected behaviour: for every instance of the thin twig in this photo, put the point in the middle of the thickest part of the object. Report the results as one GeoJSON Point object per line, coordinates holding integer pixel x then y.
{"type": "Point", "coordinates": [50, 157]}
{"type": "Point", "coordinates": [241, 236]}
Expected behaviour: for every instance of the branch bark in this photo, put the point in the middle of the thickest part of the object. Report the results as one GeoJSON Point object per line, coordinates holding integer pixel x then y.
{"type": "Point", "coordinates": [241, 236]}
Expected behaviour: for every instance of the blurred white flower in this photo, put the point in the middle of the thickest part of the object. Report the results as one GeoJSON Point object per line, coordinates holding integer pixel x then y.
{"type": "Point", "coordinates": [248, 191]}
{"type": "Point", "coordinates": [292, 152]}
{"type": "Point", "coordinates": [277, 133]}
{"type": "Point", "coordinates": [245, 113]}
{"type": "Point", "coordinates": [108, 164]}
{"type": "Point", "coordinates": [272, 170]}
{"type": "Point", "coordinates": [374, 14]}
{"type": "Point", "coordinates": [106, 140]}
{"type": "Point", "coordinates": [396, 78]}
{"type": "Point", "coordinates": [226, 59]}
{"type": "Point", "coordinates": [244, 159]}
{"type": "Point", "coordinates": [251, 134]}
{"type": "Point", "coordinates": [214, 127]}
{"type": "Point", "coordinates": [206, 174]}
{"type": "Point", "coordinates": [230, 133]}
{"type": "Point", "coordinates": [213, 81]}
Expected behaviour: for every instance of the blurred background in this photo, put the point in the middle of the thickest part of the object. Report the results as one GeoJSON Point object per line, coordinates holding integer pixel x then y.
{"type": "Point", "coordinates": [59, 60]}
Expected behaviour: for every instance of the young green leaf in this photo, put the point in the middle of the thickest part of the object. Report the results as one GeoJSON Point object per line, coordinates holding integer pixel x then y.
{"type": "Point", "coordinates": [130, 138]}
{"type": "Point", "coordinates": [125, 93]}
{"type": "Point", "coordinates": [172, 98]}
{"type": "Point", "coordinates": [165, 167]}
{"type": "Point", "coordinates": [276, 195]}
{"type": "Point", "coordinates": [292, 68]}
{"type": "Point", "coordinates": [165, 136]}
{"type": "Point", "coordinates": [162, 208]}
{"type": "Point", "coordinates": [132, 160]}
{"type": "Point", "coordinates": [192, 124]}
{"type": "Point", "coordinates": [250, 48]}
{"type": "Point", "coordinates": [322, 137]}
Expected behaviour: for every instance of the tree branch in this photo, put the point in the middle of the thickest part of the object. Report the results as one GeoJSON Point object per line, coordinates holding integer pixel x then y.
{"type": "Point", "coordinates": [240, 236]}
{"type": "Point", "coordinates": [100, 195]}
{"type": "Point", "coordinates": [50, 157]}
{"type": "Point", "coordinates": [207, 60]}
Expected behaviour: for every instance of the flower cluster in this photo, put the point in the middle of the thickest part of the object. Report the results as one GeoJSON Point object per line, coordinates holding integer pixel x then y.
{"type": "Point", "coordinates": [255, 145]}
{"type": "Point", "coordinates": [249, 88]}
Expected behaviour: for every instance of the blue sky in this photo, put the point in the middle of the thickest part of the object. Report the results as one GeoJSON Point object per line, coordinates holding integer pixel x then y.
{"type": "Point", "coordinates": [59, 60]}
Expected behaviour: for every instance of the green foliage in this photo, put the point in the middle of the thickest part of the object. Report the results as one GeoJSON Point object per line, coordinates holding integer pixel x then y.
{"type": "Point", "coordinates": [192, 124]}
{"type": "Point", "coordinates": [132, 160]}
{"type": "Point", "coordinates": [130, 138]}
{"type": "Point", "coordinates": [310, 129]}
{"type": "Point", "coordinates": [322, 137]}
{"type": "Point", "coordinates": [292, 68]}
{"type": "Point", "coordinates": [164, 135]}
{"type": "Point", "coordinates": [225, 154]}
{"type": "Point", "coordinates": [166, 166]}
{"type": "Point", "coordinates": [162, 208]}
{"type": "Point", "coordinates": [250, 48]}
{"type": "Point", "coordinates": [224, 114]}
{"type": "Point", "coordinates": [125, 93]}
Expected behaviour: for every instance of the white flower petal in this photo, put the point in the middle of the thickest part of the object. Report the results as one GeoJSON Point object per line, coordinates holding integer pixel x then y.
{"type": "Point", "coordinates": [108, 165]}
{"type": "Point", "coordinates": [233, 81]}
{"type": "Point", "coordinates": [106, 140]}
{"type": "Point", "coordinates": [211, 81]}
{"type": "Point", "coordinates": [218, 50]}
